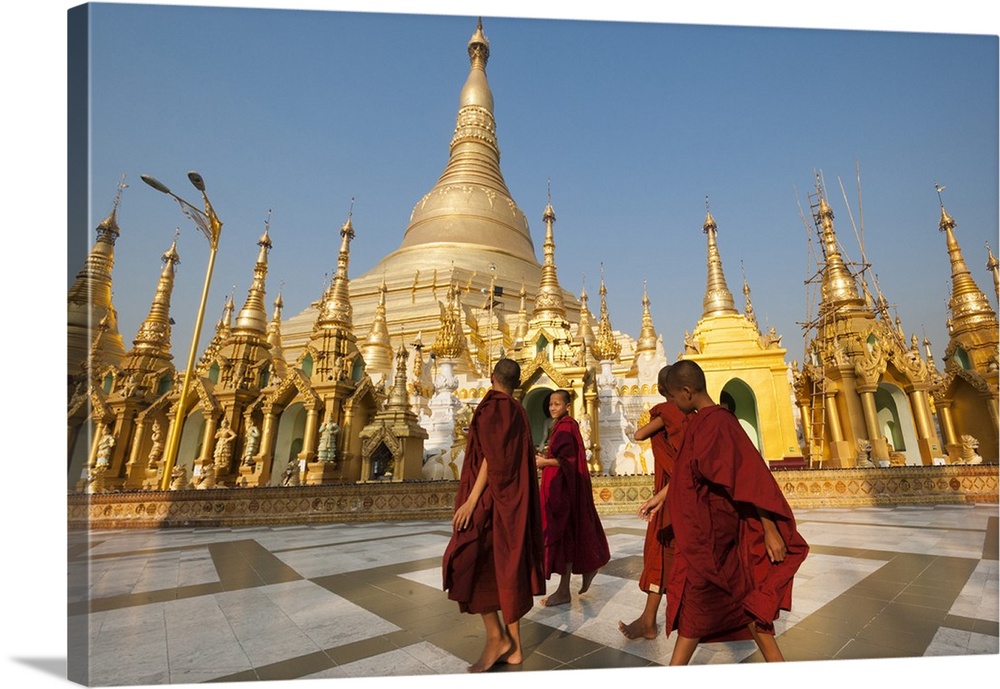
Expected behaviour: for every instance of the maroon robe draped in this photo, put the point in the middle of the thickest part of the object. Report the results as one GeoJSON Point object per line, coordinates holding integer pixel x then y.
{"type": "Point", "coordinates": [571, 528]}
{"type": "Point", "coordinates": [658, 548]}
{"type": "Point", "coordinates": [496, 562]}
{"type": "Point", "coordinates": [722, 579]}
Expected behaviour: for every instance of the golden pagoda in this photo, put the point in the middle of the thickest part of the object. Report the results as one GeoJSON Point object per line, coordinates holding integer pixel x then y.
{"type": "Point", "coordinates": [466, 231]}
{"type": "Point", "coordinates": [966, 398]}
{"type": "Point", "coordinates": [744, 370]}
{"type": "Point", "coordinates": [863, 391]}
{"type": "Point", "coordinates": [93, 341]}
{"type": "Point", "coordinates": [144, 374]}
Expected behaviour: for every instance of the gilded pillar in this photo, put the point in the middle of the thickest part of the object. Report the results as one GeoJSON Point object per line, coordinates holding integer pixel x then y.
{"type": "Point", "coordinates": [309, 435]}
{"type": "Point", "coordinates": [951, 443]}
{"type": "Point", "coordinates": [266, 443]}
{"type": "Point", "coordinates": [927, 440]}
{"type": "Point", "coordinates": [134, 473]}
{"type": "Point", "coordinates": [880, 446]}
{"type": "Point", "coordinates": [833, 418]}
{"type": "Point", "coordinates": [208, 441]}
{"type": "Point", "coordinates": [805, 413]}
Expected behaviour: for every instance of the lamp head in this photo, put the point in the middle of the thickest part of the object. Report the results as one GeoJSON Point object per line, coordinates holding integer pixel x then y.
{"type": "Point", "coordinates": [155, 183]}
{"type": "Point", "coordinates": [197, 181]}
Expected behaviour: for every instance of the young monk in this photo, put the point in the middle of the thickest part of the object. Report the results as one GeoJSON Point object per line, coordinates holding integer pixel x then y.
{"type": "Point", "coordinates": [493, 563]}
{"type": "Point", "coordinates": [574, 539]}
{"type": "Point", "coordinates": [665, 429]}
{"type": "Point", "coordinates": [737, 548]}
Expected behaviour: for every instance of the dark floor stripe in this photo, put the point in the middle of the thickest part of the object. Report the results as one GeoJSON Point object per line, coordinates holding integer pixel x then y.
{"type": "Point", "coordinates": [991, 544]}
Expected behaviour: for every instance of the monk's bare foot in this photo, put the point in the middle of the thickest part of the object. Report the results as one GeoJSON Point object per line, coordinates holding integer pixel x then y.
{"type": "Point", "coordinates": [587, 579]}
{"type": "Point", "coordinates": [512, 657]}
{"type": "Point", "coordinates": [492, 653]}
{"type": "Point", "coordinates": [556, 598]}
{"type": "Point", "coordinates": [638, 629]}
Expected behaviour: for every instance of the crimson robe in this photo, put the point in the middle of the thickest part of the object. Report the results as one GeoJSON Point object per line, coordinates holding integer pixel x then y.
{"type": "Point", "coordinates": [495, 563]}
{"type": "Point", "coordinates": [658, 549]}
{"type": "Point", "coordinates": [571, 528]}
{"type": "Point", "coordinates": [722, 579]}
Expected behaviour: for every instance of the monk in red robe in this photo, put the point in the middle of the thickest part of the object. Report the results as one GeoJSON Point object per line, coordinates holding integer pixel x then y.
{"type": "Point", "coordinates": [664, 430]}
{"type": "Point", "coordinates": [574, 539]}
{"type": "Point", "coordinates": [737, 548]}
{"type": "Point", "coordinates": [493, 563]}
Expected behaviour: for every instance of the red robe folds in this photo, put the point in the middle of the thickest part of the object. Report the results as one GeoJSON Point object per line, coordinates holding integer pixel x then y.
{"type": "Point", "coordinates": [658, 549]}
{"type": "Point", "coordinates": [721, 578]}
{"type": "Point", "coordinates": [496, 562]}
{"type": "Point", "coordinates": [571, 529]}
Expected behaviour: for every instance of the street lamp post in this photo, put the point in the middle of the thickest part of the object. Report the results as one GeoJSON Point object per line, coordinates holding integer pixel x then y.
{"type": "Point", "coordinates": [210, 225]}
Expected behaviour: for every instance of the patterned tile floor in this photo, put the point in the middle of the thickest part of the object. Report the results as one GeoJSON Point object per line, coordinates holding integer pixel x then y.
{"type": "Point", "coordinates": [363, 600]}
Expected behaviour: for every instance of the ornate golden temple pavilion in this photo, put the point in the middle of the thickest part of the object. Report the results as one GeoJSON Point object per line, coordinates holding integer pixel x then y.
{"type": "Point", "coordinates": [323, 396]}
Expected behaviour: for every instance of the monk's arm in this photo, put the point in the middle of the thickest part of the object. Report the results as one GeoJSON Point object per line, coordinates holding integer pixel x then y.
{"type": "Point", "coordinates": [541, 461]}
{"type": "Point", "coordinates": [654, 504]}
{"type": "Point", "coordinates": [464, 512]}
{"type": "Point", "coordinates": [650, 429]}
{"type": "Point", "coordinates": [773, 542]}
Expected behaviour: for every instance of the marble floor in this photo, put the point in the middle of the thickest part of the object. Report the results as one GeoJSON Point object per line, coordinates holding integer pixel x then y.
{"type": "Point", "coordinates": [185, 606]}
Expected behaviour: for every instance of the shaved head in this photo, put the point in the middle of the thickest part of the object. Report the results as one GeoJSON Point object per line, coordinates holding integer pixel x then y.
{"type": "Point", "coordinates": [661, 378]}
{"type": "Point", "coordinates": [686, 374]}
{"type": "Point", "coordinates": [507, 374]}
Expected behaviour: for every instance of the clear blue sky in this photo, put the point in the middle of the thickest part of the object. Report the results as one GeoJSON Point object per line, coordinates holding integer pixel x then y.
{"type": "Point", "coordinates": [633, 133]}
{"type": "Point", "coordinates": [298, 111]}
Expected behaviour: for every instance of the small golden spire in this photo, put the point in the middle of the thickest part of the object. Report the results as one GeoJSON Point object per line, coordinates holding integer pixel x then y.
{"type": "Point", "coordinates": [993, 265]}
{"type": "Point", "coordinates": [647, 334]}
{"type": "Point", "coordinates": [968, 305]}
{"type": "Point", "coordinates": [606, 347]}
{"type": "Point", "coordinates": [748, 309]}
{"type": "Point", "coordinates": [718, 299]}
{"type": "Point", "coordinates": [585, 331]}
{"type": "Point", "coordinates": [253, 316]}
{"type": "Point", "coordinates": [152, 342]}
{"type": "Point", "coordinates": [549, 305]}
{"type": "Point", "coordinates": [450, 342]}
{"type": "Point", "coordinates": [336, 309]}
{"type": "Point", "coordinates": [839, 287]}
{"type": "Point", "coordinates": [377, 350]}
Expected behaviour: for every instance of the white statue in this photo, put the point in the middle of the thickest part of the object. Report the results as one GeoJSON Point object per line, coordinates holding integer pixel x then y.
{"type": "Point", "coordinates": [327, 450]}
{"type": "Point", "coordinates": [104, 447]}
{"type": "Point", "coordinates": [253, 442]}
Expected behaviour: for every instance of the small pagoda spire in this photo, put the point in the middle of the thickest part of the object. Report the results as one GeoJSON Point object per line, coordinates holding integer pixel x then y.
{"type": "Point", "coordinates": [647, 334]}
{"type": "Point", "coordinates": [748, 309]}
{"type": "Point", "coordinates": [968, 306]}
{"type": "Point", "coordinates": [606, 347]}
{"type": "Point", "coordinates": [222, 331]}
{"type": "Point", "coordinates": [549, 305]}
{"type": "Point", "coordinates": [450, 341]}
{"type": "Point", "coordinates": [718, 299]}
{"type": "Point", "coordinates": [993, 265]}
{"type": "Point", "coordinates": [377, 350]}
{"type": "Point", "coordinates": [274, 328]}
{"type": "Point", "coordinates": [521, 331]}
{"type": "Point", "coordinates": [927, 350]}
{"type": "Point", "coordinates": [153, 337]}
{"type": "Point", "coordinates": [276, 351]}
{"type": "Point", "coordinates": [399, 398]}
{"type": "Point", "coordinates": [839, 289]}
{"type": "Point", "coordinates": [336, 307]}
{"type": "Point", "coordinates": [252, 317]}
